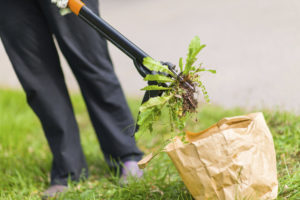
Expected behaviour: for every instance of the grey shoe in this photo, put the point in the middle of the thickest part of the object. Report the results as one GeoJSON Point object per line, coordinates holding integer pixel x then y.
{"type": "Point", "coordinates": [54, 190]}
{"type": "Point", "coordinates": [130, 169]}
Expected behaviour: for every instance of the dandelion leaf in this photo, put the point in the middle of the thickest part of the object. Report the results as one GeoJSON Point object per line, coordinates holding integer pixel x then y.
{"type": "Point", "coordinates": [155, 87]}
{"type": "Point", "coordinates": [156, 66]}
{"type": "Point", "coordinates": [158, 78]}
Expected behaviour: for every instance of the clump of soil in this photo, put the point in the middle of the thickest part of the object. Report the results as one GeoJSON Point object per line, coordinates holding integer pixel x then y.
{"type": "Point", "coordinates": [190, 103]}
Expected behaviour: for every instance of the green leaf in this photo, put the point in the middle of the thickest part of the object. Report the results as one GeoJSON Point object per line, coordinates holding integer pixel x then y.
{"type": "Point", "coordinates": [145, 116]}
{"type": "Point", "coordinates": [158, 78]}
{"type": "Point", "coordinates": [155, 87]}
{"type": "Point", "coordinates": [144, 128]}
{"type": "Point", "coordinates": [204, 92]}
{"type": "Point", "coordinates": [154, 65]}
{"type": "Point", "coordinates": [194, 48]}
{"type": "Point", "coordinates": [181, 64]}
{"type": "Point", "coordinates": [212, 71]}
{"type": "Point", "coordinates": [206, 70]}
{"type": "Point", "coordinates": [155, 101]}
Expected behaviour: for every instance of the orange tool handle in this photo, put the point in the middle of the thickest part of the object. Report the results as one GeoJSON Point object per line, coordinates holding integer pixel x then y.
{"type": "Point", "coordinates": [75, 6]}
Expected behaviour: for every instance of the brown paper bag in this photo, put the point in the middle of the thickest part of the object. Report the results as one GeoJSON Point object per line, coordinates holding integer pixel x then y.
{"type": "Point", "coordinates": [233, 159]}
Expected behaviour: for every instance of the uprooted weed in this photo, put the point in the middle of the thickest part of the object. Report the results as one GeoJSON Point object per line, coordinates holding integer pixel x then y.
{"type": "Point", "coordinates": [179, 92]}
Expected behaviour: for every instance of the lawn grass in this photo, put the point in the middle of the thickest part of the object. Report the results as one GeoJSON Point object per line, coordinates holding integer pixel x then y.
{"type": "Point", "coordinates": [25, 157]}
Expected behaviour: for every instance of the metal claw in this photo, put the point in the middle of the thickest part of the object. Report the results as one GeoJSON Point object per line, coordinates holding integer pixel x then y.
{"type": "Point", "coordinates": [179, 77]}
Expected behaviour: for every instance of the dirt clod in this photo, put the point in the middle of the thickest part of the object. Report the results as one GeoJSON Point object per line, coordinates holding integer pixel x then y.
{"type": "Point", "coordinates": [190, 103]}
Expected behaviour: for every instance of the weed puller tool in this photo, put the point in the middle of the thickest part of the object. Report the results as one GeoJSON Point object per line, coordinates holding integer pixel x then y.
{"type": "Point", "coordinates": [111, 34]}
{"type": "Point", "coordinates": [129, 48]}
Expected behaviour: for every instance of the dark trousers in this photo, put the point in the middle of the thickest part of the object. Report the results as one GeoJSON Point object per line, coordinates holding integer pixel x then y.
{"type": "Point", "coordinates": [26, 29]}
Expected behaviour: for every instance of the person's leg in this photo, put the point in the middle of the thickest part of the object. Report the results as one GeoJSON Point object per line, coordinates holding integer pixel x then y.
{"type": "Point", "coordinates": [88, 57]}
{"type": "Point", "coordinates": [29, 45]}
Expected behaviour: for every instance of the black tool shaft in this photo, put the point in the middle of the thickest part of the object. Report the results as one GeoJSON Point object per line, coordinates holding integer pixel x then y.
{"type": "Point", "coordinates": [114, 36]}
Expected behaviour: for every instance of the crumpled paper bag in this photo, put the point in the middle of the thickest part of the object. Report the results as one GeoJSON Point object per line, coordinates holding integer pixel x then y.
{"type": "Point", "coordinates": [233, 159]}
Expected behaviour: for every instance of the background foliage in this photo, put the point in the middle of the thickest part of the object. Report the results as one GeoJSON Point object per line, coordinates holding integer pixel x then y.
{"type": "Point", "coordinates": [25, 157]}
